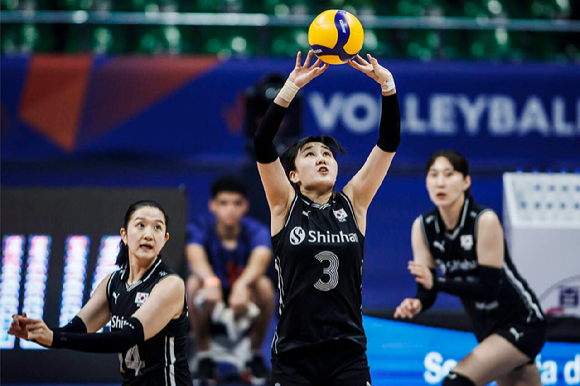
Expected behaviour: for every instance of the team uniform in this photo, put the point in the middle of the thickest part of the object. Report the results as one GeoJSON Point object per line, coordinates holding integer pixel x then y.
{"type": "Point", "coordinates": [162, 359]}
{"type": "Point", "coordinates": [515, 314]}
{"type": "Point", "coordinates": [320, 338]}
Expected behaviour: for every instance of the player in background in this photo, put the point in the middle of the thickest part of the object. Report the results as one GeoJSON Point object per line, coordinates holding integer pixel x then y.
{"type": "Point", "coordinates": [466, 242]}
{"type": "Point", "coordinates": [228, 255]}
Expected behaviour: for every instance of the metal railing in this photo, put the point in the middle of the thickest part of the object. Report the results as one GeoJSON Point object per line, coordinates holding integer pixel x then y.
{"type": "Point", "coordinates": [263, 20]}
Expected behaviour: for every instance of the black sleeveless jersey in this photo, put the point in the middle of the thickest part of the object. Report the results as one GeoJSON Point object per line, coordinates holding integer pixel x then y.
{"type": "Point", "coordinates": [319, 257]}
{"type": "Point", "coordinates": [162, 359]}
{"type": "Point", "coordinates": [455, 255]}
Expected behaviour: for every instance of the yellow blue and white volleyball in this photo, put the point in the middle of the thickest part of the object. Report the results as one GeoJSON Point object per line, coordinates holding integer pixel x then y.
{"type": "Point", "coordinates": [336, 36]}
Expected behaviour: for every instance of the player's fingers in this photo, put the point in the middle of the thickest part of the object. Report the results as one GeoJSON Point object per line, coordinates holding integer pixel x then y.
{"type": "Point", "coordinates": [298, 59]}
{"type": "Point", "coordinates": [320, 70]}
{"type": "Point", "coordinates": [374, 62]}
{"type": "Point", "coordinates": [415, 271]}
{"type": "Point", "coordinates": [308, 57]}
{"type": "Point", "coordinates": [354, 64]}
{"type": "Point", "coordinates": [361, 59]}
{"type": "Point", "coordinates": [414, 306]}
{"type": "Point", "coordinates": [421, 280]}
{"type": "Point", "coordinates": [399, 313]}
{"type": "Point", "coordinates": [316, 64]}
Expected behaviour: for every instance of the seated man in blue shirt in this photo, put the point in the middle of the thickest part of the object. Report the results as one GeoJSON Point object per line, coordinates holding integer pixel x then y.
{"type": "Point", "coordinates": [228, 255]}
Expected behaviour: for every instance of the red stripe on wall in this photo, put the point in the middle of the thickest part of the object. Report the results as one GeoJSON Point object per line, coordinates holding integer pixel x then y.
{"type": "Point", "coordinates": [54, 92]}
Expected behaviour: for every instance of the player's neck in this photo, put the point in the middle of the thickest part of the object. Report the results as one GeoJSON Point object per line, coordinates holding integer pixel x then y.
{"type": "Point", "coordinates": [316, 196]}
{"type": "Point", "coordinates": [137, 270]}
{"type": "Point", "coordinates": [228, 234]}
{"type": "Point", "coordinates": [450, 214]}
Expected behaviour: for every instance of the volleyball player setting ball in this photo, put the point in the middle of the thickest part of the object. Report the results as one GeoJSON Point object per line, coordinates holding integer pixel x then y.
{"type": "Point", "coordinates": [318, 233]}
{"type": "Point", "coordinates": [465, 240]}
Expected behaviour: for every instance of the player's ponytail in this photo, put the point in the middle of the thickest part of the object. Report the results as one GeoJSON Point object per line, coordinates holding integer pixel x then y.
{"type": "Point", "coordinates": [123, 255]}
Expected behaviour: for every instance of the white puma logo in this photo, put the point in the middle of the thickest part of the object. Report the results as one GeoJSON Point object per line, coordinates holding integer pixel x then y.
{"type": "Point", "coordinates": [116, 296]}
{"type": "Point", "coordinates": [516, 334]}
{"type": "Point", "coordinates": [368, 383]}
{"type": "Point", "coordinates": [452, 376]}
{"type": "Point", "coordinates": [440, 246]}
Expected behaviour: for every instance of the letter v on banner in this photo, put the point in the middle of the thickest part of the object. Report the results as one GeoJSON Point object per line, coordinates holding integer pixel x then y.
{"type": "Point", "coordinates": [326, 115]}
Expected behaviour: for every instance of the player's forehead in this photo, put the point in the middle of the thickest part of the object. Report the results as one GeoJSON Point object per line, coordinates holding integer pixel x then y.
{"type": "Point", "coordinates": [148, 213]}
{"type": "Point", "coordinates": [441, 164]}
{"type": "Point", "coordinates": [313, 146]}
{"type": "Point", "coordinates": [229, 196]}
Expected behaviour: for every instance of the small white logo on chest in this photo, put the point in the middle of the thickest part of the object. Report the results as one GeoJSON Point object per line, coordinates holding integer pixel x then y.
{"type": "Point", "coordinates": [466, 242]}
{"type": "Point", "coordinates": [340, 215]}
{"type": "Point", "coordinates": [297, 235]}
{"type": "Point", "coordinates": [116, 296]}
{"type": "Point", "coordinates": [140, 298]}
{"type": "Point", "coordinates": [440, 246]}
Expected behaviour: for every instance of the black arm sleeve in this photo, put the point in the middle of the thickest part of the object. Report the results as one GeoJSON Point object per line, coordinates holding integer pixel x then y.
{"type": "Point", "coordinates": [107, 342]}
{"type": "Point", "coordinates": [427, 297]}
{"type": "Point", "coordinates": [390, 130]}
{"type": "Point", "coordinates": [75, 325]}
{"type": "Point", "coordinates": [264, 138]}
{"type": "Point", "coordinates": [483, 288]}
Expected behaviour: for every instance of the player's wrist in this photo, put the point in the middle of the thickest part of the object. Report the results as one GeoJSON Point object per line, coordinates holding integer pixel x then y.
{"type": "Point", "coordinates": [212, 281]}
{"type": "Point", "coordinates": [288, 91]}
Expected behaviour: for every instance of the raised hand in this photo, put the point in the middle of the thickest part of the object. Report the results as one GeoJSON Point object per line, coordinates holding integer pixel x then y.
{"type": "Point", "coordinates": [408, 308]}
{"type": "Point", "coordinates": [303, 74]}
{"type": "Point", "coordinates": [422, 274]}
{"type": "Point", "coordinates": [374, 70]}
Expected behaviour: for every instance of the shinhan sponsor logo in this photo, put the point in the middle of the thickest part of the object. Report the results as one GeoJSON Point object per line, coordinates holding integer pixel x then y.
{"type": "Point", "coordinates": [297, 236]}
{"type": "Point", "coordinates": [332, 238]}
{"type": "Point", "coordinates": [117, 321]}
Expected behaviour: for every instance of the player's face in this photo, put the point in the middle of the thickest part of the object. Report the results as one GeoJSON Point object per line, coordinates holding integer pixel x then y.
{"type": "Point", "coordinates": [146, 233]}
{"type": "Point", "coordinates": [229, 208]}
{"type": "Point", "coordinates": [444, 184]}
{"type": "Point", "coordinates": [316, 167]}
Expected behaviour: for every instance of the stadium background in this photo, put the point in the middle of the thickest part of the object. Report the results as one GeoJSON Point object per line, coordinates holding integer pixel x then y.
{"type": "Point", "coordinates": [158, 94]}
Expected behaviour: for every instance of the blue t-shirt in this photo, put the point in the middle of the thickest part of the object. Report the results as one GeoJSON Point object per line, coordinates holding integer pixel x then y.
{"type": "Point", "coordinates": [228, 264]}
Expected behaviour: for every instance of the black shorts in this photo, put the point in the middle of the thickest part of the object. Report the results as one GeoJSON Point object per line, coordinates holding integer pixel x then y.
{"type": "Point", "coordinates": [340, 362]}
{"type": "Point", "coordinates": [529, 338]}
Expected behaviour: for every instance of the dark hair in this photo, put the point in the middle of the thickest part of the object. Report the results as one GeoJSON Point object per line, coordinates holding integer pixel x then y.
{"type": "Point", "coordinates": [123, 256]}
{"type": "Point", "coordinates": [456, 159]}
{"type": "Point", "coordinates": [290, 154]}
{"type": "Point", "coordinates": [228, 184]}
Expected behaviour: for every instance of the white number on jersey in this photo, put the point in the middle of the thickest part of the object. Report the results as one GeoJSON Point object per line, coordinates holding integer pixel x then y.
{"type": "Point", "coordinates": [331, 270]}
{"type": "Point", "coordinates": [132, 360]}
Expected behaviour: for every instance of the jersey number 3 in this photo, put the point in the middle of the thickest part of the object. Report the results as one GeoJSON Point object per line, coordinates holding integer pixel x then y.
{"type": "Point", "coordinates": [331, 270]}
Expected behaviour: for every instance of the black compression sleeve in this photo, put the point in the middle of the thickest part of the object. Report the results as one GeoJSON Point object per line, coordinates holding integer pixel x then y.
{"type": "Point", "coordinates": [264, 138]}
{"type": "Point", "coordinates": [75, 325]}
{"type": "Point", "coordinates": [483, 288]}
{"type": "Point", "coordinates": [390, 130]}
{"type": "Point", "coordinates": [106, 342]}
{"type": "Point", "coordinates": [427, 297]}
